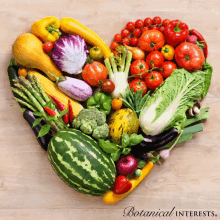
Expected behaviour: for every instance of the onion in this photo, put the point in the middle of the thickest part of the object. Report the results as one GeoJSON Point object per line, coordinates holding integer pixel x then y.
{"type": "Point", "coordinates": [137, 53]}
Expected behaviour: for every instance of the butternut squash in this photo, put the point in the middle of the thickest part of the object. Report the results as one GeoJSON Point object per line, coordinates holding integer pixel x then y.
{"type": "Point", "coordinates": [72, 26]}
{"type": "Point", "coordinates": [28, 51]}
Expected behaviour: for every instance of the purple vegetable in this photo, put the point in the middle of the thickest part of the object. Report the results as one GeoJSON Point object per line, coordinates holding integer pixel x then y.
{"type": "Point", "coordinates": [70, 53]}
{"type": "Point", "coordinates": [192, 39]}
{"type": "Point", "coordinates": [75, 88]}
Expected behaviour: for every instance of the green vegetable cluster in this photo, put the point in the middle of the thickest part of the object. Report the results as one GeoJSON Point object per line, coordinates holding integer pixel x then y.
{"type": "Point", "coordinates": [92, 121]}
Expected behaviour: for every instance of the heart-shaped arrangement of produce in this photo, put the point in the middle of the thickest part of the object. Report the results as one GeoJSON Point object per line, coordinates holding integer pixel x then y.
{"type": "Point", "coordinates": [106, 116]}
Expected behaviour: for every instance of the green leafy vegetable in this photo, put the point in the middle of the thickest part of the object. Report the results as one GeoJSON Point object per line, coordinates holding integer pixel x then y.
{"type": "Point", "coordinates": [126, 151]}
{"type": "Point", "coordinates": [207, 69]}
{"type": "Point", "coordinates": [64, 112]}
{"type": "Point", "coordinates": [135, 139]}
{"type": "Point", "coordinates": [44, 130]}
{"type": "Point", "coordinates": [125, 140]}
{"type": "Point", "coordinates": [38, 113]}
{"type": "Point", "coordinates": [167, 107]}
{"type": "Point", "coordinates": [115, 156]}
{"type": "Point", "coordinates": [37, 121]}
{"type": "Point", "coordinates": [107, 146]}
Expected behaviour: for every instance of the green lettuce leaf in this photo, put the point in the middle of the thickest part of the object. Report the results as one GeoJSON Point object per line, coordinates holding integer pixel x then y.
{"type": "Point", "coordinates": [167, 106]}
{"type": "Point", "coordinates": [207, 69]}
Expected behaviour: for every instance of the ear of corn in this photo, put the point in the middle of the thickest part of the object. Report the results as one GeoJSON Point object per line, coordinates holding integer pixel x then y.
{"type": "Point", "coordinates": [51, 89]}
{"type": "Point", "coordinates": [72, 26]}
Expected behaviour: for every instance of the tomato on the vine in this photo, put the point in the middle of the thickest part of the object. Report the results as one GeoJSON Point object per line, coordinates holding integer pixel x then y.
{"type": "Point", "coordinates": [165, 22]}
{"type": "Point", "coordinates": [154, 27]}
{"type": "Point", "coordinates": [48, 46]}
{"type": "Point", "coordinates": [161, 29]}
{"type": "Point", "coordinates": [134, 41]}
{"type": "Point", "coordinates": [107, 86]}
{"type": "Point", "coordinates": [125, 33]}
{"type": "Point", "coordinates": [137, 33]}
{"type": "Point", "coordinates": [153, 80]}
{"type": "Point", "coordinates": [138, 84]}
{"type": "Point", "coordinates": [155, 59]}
{"type": "Point", "coordinates": [168, 68]}
{"type": "Point", "coordinates": [113, 45]}
{"type": "Point", "coordinates": [148, 22]}
{"type": "Point", "coordinates": [126, 41]}
{"type": "Point", "coordinates": [157, 20]}
{"type": "Point", "coordinates": [139, 67]}
{"type": "Point", "coordinates": [144, 29]}
{"type": "Point", "coordinates": [139, 23]}
{"type": "Point", "coordinates": [118, 38]}
{"type": "Point", "coordinates": [130, 26]}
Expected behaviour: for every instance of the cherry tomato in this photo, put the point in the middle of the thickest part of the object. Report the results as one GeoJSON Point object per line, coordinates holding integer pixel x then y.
{"type": "Point", "coordinates": [137, 85]}
{"type": "Point", "coordinates": [113, 45]}
{"type": "Point", "coordinates": [130, 26]}
{"type": "Point", "coordinates": [126, 41]}
{"type": "Point", "coordinates": [116, 53]}
{"type": "Point", "coordinates": [144, 29]}
{"type": "Point", "coordinates": [125, 33]}
{"type": "Point", "coordinates": [139, 67]}
{"type": "Point", "coordinates": [116, 103]}
{"type": "Point", "coordinates": [155, 59]}
{"type": "Point", "coordinates": [165, 22]}
{"type": "Point", "coordinates": [118, 38]}
{"type": "Point", "coordinates": [107, 86]}
{"type": "Point", "coordinates": [153, 80]}
{"type": "Point", "coordinates": [161, 29]}
{"type": "Point", "coordinates": [154, 28]}
{"type": "Point", "coordinates": [139, 23]}
{"type": "Point", "coordinates": [47, 46]}
{"type": "Point", "coordinates": [148, 22]}
{"type": "Point", "coordinates": [134, 41]}
{"type": "Point", "coordinates": [168, 68]}
{"type": "Point", "coordinates": [157, 20]}
{"type": "Point", "coordinates": [137, 33]}
{"type": "Point", "coordinates": [22, 72]}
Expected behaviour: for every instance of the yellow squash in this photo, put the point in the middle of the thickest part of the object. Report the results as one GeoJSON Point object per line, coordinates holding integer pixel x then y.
{"type": "Point", "coordinates": [110, 197]}
{"type": "Point", "coordinates": [72, 26]}
{"type": "Point", "coordinates": [28, 51]}
{"type": "Point", "coordinates": [51, 89]}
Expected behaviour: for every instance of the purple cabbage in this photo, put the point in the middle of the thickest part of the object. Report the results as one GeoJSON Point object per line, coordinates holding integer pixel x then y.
{"type": "Point", "coordinates": [70, 53]}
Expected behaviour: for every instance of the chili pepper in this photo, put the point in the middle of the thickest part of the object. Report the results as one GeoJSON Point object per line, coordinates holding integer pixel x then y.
{"type": "Point", "coordinates": [61, 108]}
{"type": "Point", "coordinates": [168, 52]}
{"type": "Point", "coordinates": [122, 185]}
{"type": "Point", "coordinates": [200, 38]}
{"type": "Point", "coordinates": [176, 32]}
{"type": "Point", "coordinates": [70, 111]}
{"type": "Point", "coordinates": [50, 111]}
{"type": "Point", "coordinates": [100, 101]}
{"type": "Point", "coordinates": [47, 29]}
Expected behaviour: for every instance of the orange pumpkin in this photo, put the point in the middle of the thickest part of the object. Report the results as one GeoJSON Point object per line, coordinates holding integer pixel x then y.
{"type": "Point", "coordinates": [94, 73]}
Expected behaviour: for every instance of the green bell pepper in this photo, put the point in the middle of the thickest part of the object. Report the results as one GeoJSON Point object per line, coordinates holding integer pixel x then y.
{"type": "Point", "coordinates": [100, 101]}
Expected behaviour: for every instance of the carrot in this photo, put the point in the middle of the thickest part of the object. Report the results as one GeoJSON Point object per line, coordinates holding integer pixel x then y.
{"type": "Point", "coordinates": [110, 197]}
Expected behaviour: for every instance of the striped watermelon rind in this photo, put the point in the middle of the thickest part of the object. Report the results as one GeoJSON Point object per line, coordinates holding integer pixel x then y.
{"type": "Point", "coordinates": [81, 163]}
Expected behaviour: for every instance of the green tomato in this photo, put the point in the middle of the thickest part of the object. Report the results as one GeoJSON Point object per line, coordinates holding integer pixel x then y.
{"type": "Point", "coordinates": [138, 173]}
{"type": "Point", "coordinates": [96, 53]}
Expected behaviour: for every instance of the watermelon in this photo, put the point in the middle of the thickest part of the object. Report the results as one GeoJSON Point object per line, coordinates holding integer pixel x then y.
{"type": "Point", "coordinates": [80, 162]}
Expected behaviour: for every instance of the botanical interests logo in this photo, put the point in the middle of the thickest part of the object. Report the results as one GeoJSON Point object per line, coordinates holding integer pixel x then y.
{"type": "Point", "coordinates": [131, 211]}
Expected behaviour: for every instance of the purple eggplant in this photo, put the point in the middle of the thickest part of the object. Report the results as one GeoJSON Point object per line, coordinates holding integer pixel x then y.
{"type": "Point", "coordinates": [75, 88]}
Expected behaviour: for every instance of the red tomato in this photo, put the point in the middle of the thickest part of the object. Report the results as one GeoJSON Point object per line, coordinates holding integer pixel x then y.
{"type": "Point", "coordinates": [116, 53]}
{"type": "Point", "coordinates": [148, 22]}
{"type": "Point", "coordinates": [157, 20]}
{"type": "Point", "coordinates": [107, 86]}
{"type": "Point", "coordinates": [126, 41]}
{"type": "Point", "coordinates": [161, 29]}
{"type": "Point", "coordinates": [168, 68]}
{"type": "Point", "coordinates": [144, 29]}
{"type": "Point", "coordinates": [47, 46]}
{"type": "Point", "coordinates": [134, 41]}
{"type": "Point", "coordinates": [189, 56]}
{"type": "Point", "coordinates": [130, 26]}
{"type": "Point", "coordinates": [139, 67]}
{"type": "Point", "coordinates": [94, 73]}
{"type": "Point", "coordinates": [137, 33]}
{"type": "Point", "coordinates": [139, 23]}
{"type": "Point", "coordinates": [155, 59]}
{"type": "Point", "coordinates": [113, 45]}
{"type": "Point", "coordinates": [151, 40]}
{"type": "Point", "coordinates": [125, 33]}
{"type": "Point", "coordinates": [118, 38]}
{"type": "Point", "coordinates": [153, 80]}
{"type": "Point", "coordinates": [165, 22]}
{"type": "Point", "coordinates": [137, 85]}
{"type": "Point", "coordinates": [154, 28]}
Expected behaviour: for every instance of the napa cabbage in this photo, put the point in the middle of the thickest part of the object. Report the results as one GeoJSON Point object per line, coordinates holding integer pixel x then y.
{"type": "Point", "coordinates": [167, 106]}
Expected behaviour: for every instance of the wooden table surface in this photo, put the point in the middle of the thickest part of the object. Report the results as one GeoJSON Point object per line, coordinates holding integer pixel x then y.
{"type": "Point", "coordinates": [189, 180]}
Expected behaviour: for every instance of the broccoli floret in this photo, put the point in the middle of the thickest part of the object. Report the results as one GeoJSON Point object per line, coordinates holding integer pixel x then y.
{"type": "Point", "coordinates": [101, 132]}
{"type": "Point", "coordinates": [76, 123]}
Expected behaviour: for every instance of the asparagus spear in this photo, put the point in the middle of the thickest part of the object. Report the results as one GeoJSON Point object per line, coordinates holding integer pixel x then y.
{"type": "Point", "coordinates": [21, 94]}
{"type": "Point", "coordinates": [25, 103]}
{"type": "Point", "coordinates": [30, 79]}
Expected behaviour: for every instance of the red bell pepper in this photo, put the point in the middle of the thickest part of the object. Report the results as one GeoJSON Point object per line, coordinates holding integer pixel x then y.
{"type": "Point", "coordinates": [176, 32]}
{"type": "Point", "coordinates": [122, 185]}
